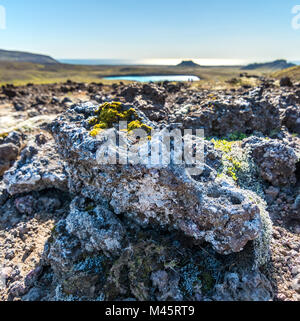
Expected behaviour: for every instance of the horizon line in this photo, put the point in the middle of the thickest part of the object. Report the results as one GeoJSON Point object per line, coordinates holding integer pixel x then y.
{"type": "Point", "coordinates": [175, 61]}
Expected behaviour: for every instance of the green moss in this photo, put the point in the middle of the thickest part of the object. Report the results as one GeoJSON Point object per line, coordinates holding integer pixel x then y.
{"type": "Point", "coordinates": [195, 277]}
{"type": "Point", "coordinates": [91, 265]}
{"type": "Point", "coordinates": [237, 136]}
{"type": "Point", "coordinates": [134, 268]}
{"type": "Point", "coordinates": [232, 137]}
{"type": "Point", "coordinates": [53, 235]}
{"type": "Point", "coordinates": [90, 207]}
{"type": "Point", "coordinates": [274, 133]}
{"type": "Point", "coordinates": [3, 135]}
{"type": "Point", "coordinates": [131, 274]}
{"type": "Point", "coordinates": [231, 166]}
{"type": "Point", "coordinates": [136, 124]}
{"type": "Point", "coordinates": [222, 145]}
{"type": "Point", "coordinates": [95, 132]}
{"type": "Point", "coordinates": [111, 113]}
{"type": "Point", "coordinates": [208, 282]}
{"type": "Point", "coordinates": [93, 121]}
{"type": "Point", "coordinates": [233, 170]}
{"type": "Point", "coordinates": [190, 279]}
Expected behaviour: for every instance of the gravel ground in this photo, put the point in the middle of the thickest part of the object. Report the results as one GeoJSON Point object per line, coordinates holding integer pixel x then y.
{"type": "Point", "coordinates": [23, 236]}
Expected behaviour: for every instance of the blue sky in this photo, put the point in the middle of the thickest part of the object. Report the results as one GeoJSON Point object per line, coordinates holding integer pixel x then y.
{"type": "Point", "coordinates": [139, 29]}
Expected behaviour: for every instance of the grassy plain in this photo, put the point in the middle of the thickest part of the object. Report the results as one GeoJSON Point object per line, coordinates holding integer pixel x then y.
{"type": "Point", "coordinates": [19, 73]}
{"type": "Point", "coordinates": [293, 73]}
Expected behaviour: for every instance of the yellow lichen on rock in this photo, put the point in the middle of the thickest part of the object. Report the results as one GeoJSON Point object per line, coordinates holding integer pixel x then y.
{"type": "Point", "coordinates": [3, 135]}
{"type": "Point", "coordinates": [136, 124]}
{"type": "Point", "coordinates": [223, 145]}
{"type": "Point", "coordinates": [95, 132]}
{"type": "Point", "coordinates": [111, 113]}
{"type": "Point", "coordinates": [231, 165]}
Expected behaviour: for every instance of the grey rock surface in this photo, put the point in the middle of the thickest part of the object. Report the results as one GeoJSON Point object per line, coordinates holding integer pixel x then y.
{"type": "Point", "coordinates": [214, 211]}
{"type": "Point", "coordinates": [145, 232]}
{"type": "Point", "coordinates": [276, 161]}
{"type": "Point", "coordinates": [3, 194]}
{"type": "Point", "coordinates": [38, 168]}
{"type": "Point", "coordinates": [222, 115]}
{"type": "Point", "coordinates": [291, 119]}
{"type": "Point", "coordinates": [8, 154]}
{"type": "Point", "coordinates": [251, 286]}
{"type": "Point", "coordinates": [96, 227]}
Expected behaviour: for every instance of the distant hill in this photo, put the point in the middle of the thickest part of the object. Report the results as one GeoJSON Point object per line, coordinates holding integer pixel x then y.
{"type": "Point", "coordinates": [293, 73]}
{"type": "Point", "coordinates": [19, 56]}
{"type": "Point", "coordinates": [188, 63]}
{"type": "Point", "coordinates": [274, 65]}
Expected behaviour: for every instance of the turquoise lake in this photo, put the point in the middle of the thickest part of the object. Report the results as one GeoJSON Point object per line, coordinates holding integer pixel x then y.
{"type": "Point", "coordinates": [155, 78]}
